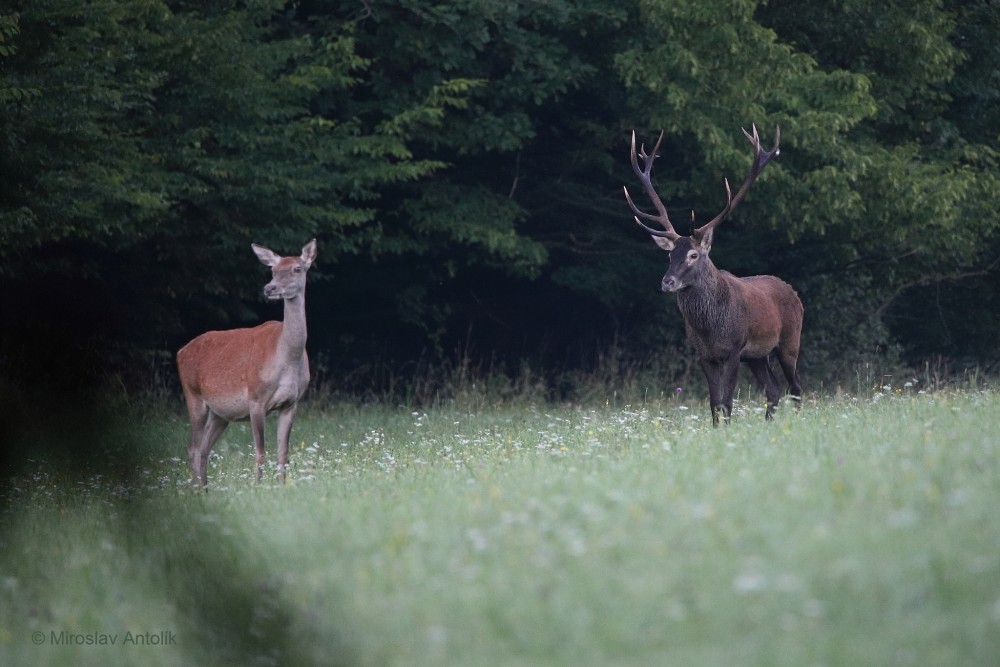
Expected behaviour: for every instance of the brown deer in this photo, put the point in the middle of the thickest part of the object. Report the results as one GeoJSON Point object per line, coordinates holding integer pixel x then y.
{"type": "Point", "coordinates": [247, 373]}
{"type": "Point", "coordinates": [728, 319]}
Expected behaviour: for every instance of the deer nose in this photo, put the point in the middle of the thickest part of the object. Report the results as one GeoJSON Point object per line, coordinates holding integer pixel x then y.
{"type": "Point", "coordinates": [271, 291]}
{"type": "Point", "coordinates": [670, 284]}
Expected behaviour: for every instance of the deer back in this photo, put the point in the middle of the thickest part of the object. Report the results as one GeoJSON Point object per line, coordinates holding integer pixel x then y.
{"type": "Point", "coordinates": [774, 313]}
{"type": "Point", "coordinates": [231, 369]}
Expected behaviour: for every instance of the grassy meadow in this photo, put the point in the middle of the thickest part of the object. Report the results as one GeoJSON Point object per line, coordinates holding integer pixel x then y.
{"type": "Point", "coordinates": [858, 531]}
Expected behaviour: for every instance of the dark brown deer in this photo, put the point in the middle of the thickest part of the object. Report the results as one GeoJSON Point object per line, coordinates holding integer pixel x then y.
{"type": "Point", "coordinates": [728, 319]}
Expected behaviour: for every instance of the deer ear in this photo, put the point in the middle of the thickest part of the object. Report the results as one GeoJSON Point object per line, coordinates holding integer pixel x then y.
{"type": "Point", "coordinates": [663, 242]}
{"type": "Point", "coordinates": [266, 257]}
{"type": "Point", "coordinates": [703, 240]}
{"type": "Point", "coordinates": [309, 253]}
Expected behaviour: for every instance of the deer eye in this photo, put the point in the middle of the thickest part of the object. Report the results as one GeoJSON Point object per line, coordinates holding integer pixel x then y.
{"type": "Point", "coordinates": [297, 269]}
{"type": "Point", "coordinates": [693, 255]}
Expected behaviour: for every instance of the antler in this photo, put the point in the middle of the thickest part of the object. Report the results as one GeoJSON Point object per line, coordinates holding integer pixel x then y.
{"type": "Point", "coordinates": [760, 160]}
{"type": "Point", "coordinates": [643, 175]}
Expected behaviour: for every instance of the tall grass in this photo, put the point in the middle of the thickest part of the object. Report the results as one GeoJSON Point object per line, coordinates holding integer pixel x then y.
{"type": "Point", "coordinates": [857, 531]}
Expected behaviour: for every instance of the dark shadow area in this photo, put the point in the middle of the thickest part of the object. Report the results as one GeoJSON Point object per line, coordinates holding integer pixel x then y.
{"type": "Point", "coordinates": [233, 605]}
{"type": "Point", "coordinates": [62, 412]}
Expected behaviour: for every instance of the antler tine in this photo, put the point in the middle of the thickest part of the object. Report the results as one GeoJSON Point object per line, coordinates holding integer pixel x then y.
{"type": "Point", "coordinates": [657, 232]}
{"type": "Point", "coordinates": [760, 160]}
{"type": "Point", "coordinates": [654, 232]}
{"type": "Point", "coordinates": [644, 176]}
{"type": "Point", "coordinates": [722, 214]}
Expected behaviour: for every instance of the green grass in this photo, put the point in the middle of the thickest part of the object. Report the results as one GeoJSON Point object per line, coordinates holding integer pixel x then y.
{"type": "Point", "coordinates": [855, 532]}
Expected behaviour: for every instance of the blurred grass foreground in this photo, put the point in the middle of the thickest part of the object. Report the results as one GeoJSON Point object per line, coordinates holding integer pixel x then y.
{"type": "Point", "coordinates": [857, 531]}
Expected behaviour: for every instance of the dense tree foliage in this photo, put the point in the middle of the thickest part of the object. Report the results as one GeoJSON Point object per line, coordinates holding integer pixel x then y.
{"type": "Point", "coordinates": [461, 164]}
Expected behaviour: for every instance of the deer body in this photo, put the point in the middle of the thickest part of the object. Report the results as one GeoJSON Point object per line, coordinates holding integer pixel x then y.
{"type": "Point", "coordinates": [244, 374]}
{"type": "Point", "coordinates": [727, 319]}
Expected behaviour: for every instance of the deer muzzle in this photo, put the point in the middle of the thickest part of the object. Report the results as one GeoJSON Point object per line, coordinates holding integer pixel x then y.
{"type": "Point", "coordinates": [272, 292]}
{"type": "Point", "coordinates": [670, 284]}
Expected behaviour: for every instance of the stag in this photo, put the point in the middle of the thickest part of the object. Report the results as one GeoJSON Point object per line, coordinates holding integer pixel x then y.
{"type": "Point", "coordinates": [727, 319]}
{"type": "Point", "coordinates": [246, 373]}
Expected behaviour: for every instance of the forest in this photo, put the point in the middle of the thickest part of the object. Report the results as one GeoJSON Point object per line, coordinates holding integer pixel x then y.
{"type": "Point", "coordinates": [461, 165]}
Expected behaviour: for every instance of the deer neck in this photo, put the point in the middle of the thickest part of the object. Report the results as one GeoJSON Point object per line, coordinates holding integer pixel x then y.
{"type": "Point", "coordinates": [293, 328]}
{"type": "Point", "coordinates": [709, 287]}
{"type": "Point", "coordinates": [703, 302]}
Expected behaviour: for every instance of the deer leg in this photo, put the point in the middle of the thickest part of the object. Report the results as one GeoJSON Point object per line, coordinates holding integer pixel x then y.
{"type": "Point", "coordinates": [258, 417]}
{"type": "Point", "coordinates": [713, 373]}
{"type": "Point", "coordinates": [730, 373]}
{"type": "Point", "coordinates": [789, 367]}
{"type": "Point", "coordinates": [214, 426]}
{"type": "Point", "coordinates": [765, 376]}
{"type": "Point", "coordinates": [285, 419]}
{"type": "Point", "coordinates": [198, 416]}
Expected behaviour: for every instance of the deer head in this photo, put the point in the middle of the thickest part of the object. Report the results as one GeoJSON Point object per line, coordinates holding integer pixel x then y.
{"type": "Point", "coordinates": [689, 254]}
{"type": "Point", "coordinates": [288, 274]}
